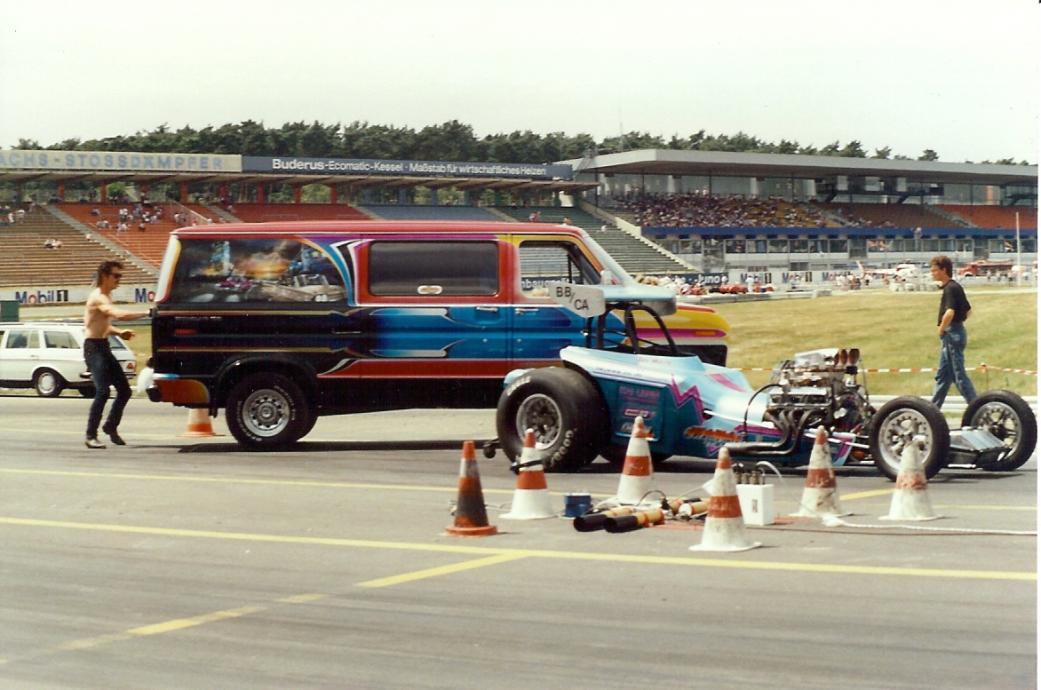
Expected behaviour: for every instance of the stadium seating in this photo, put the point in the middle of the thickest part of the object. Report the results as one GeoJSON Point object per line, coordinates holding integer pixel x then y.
{"type": "Point", "coordinates": [407, 212]}
{"type": "Point", "coordinates": [1003, 217]}
{"type": "Point", "coordinates": [887, 215]}
{"type": "Point", "coordinates": [632, 253]}
{"type": "Point", "coordinates": [263, 213]}
{"type": "Point", "coordinates": [25, 262]}
{"type": "Point", "coordinates": [147, 244]}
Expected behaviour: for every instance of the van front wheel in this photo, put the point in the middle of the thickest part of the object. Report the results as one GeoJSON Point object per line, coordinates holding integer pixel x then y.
{"type": "Point", "coordinates": [267, 411]}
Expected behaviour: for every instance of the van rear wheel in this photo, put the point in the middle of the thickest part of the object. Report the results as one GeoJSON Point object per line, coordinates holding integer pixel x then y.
{"type": "Point", "coordinates": [267, 411]}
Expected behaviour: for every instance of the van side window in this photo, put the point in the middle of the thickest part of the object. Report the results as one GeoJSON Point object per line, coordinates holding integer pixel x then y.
{"type": "Point", "coordinates": [542, 261]}
{"type": "Point", "coordinates": [255, 271]}
{"type": "Point", "coordinates": [399, 269]}
{"type": "Point", "coordinates": [61, 340]}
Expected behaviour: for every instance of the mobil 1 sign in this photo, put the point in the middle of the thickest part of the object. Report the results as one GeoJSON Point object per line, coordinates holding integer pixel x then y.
{"type": "Point", "coordinates": [584, 300]}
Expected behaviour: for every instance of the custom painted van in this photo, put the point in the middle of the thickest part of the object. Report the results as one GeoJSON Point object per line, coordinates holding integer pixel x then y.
{"type": "Point", "coordinates": [280, 323]}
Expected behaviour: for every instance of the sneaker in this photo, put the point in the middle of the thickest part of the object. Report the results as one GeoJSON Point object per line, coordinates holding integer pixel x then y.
{"type": "Point", "coordinates": [114, 435]}
{"type": "Point", "coordinates": [93, 443]}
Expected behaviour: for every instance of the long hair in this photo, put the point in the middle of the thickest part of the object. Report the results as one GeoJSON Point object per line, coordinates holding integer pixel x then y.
{"type": "Point", "coordinates": [105, 268]}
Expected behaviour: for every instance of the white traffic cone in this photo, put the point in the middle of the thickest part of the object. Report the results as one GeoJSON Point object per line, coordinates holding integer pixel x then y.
{"type": "Point", "coordinates": [531, 499]}
{"type": "Point", "coordinates": [724, 526]}
{"type": "Point", "coordinates": [911, 500]}
{"type": "Point", "coordinates": [820, 495]}
{"type": "Point", "coordinates": [637, 479]}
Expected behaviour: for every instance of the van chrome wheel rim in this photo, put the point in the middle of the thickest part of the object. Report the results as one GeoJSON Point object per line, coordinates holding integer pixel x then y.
{"type": "Point", "coordinates": [898, 429]}
{"type": "Point", "coordinates": [541, 414]}
{"type": "Point", "coordinates": [266, 412]}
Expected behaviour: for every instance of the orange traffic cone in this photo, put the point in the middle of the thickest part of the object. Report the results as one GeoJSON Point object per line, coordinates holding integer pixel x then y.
{"type": "Point", "coordinates": [531, 500]}
{"type": "Point", "coordinates": [637, 476]}
{"type": "Point", "coordinates": [199, 425]}
{"type": "Point", "coordinates": [724, 526]}
{"type": "Point", "coordinates": [820, 495]}
{"type": "Point", "coordinates": [911, 500]}
{"type": "Point", "coordinates": [471, 519]}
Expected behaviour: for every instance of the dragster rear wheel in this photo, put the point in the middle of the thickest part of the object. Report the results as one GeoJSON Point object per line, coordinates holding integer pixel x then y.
{"type": "Point", "coordinates": [564, 409]}
{"type": "Point", "coordinates": [1007, 416]}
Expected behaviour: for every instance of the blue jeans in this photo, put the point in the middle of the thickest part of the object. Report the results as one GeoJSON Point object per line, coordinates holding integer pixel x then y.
{"type": "Point", "coordinates": [952, 366]}
{"type": "Point", "coordinates": [105, 372]}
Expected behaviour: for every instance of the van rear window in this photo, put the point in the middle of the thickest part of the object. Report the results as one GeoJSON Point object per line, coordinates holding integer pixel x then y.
{"type": "Point", "coordinates": [255, 270]}
{"type": "Point", "coordinates": [398, 269]}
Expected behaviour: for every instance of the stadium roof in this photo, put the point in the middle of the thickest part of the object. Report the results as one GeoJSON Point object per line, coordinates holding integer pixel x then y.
{"type": "Point", "coordinates": [672, 162]}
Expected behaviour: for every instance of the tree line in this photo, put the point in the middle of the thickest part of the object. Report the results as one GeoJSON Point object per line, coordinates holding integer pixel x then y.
{"type": "Point", "coordinates": [450, 141]}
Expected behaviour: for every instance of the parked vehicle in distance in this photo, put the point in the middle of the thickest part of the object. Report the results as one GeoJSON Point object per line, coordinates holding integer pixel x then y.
{"type": "Point", "coordinates": [48, 356]}
{"type": "Point", "coordinates": [279, 323]}
{"type": "Point", "coordinates": [693, 408]}
{"type": "Point", "coordinates": [985, 268]}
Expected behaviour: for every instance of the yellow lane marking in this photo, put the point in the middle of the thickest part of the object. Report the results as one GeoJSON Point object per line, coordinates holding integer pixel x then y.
{"type": "Point", "coordinates": [243, 480]}
{"type": "Point", "coordinates": [182, 623]}
{"type": "Point", "coordinates": [690, 561]}
{"type": "Point", "coordinates": [166, 626]}
{"type": "Point", "coordinates": [441, 570]}
{"type": "Point", "coordinates": [865, 494]}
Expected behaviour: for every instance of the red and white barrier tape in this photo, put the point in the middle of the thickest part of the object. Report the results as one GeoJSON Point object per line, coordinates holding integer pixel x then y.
{"type": "Point", "coordinates": [919, 370]}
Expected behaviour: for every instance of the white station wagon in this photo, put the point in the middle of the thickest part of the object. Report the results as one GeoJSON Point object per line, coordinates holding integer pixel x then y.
{"type": "Point", "coordinates": [48, 356]}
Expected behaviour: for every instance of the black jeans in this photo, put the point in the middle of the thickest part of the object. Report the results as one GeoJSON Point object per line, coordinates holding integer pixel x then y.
{"type": "Point", "coordinates": [105, 372]}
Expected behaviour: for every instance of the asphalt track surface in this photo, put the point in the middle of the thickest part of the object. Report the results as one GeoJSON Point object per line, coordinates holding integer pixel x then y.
{"type": "Point", "coordinates": [182, 563]}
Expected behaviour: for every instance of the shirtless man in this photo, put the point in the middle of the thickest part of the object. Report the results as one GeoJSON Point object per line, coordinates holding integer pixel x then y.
{"type": "Point", "coordinates": [104, 369]}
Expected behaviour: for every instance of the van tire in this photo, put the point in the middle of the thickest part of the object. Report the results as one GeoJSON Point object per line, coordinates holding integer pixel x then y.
{"type": "Point", "coordinates": [266, 411]}
{"type": "Point", "coordinates": [566, 410]}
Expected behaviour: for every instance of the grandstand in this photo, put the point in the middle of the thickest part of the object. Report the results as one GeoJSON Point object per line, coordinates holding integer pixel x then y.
{"type": "Point", "coordinates": [633, 253]}
{"type": "Point", "coordinates": [714, 211]}
{"type": "Point", "coordinates": [264, 213]}
{"type": "Point", "coordinates": [24, 260]}
{"type": "Point", "coordinates": [417, 212]}
{"type": "Point", "coordinates": [1003, 217]}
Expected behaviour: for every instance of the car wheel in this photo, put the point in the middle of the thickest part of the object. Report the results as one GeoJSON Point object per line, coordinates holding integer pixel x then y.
{"type": "Point", "coordinates": [566, 412]}
{"type": "Point", "coordinates": [894, 426]}
{"type": "Point", "coordinates": [48, 383]}
{"type": "Point", "coordinates": [1007, 416]}
{"type": "Point", "coordinates": [267, 411]}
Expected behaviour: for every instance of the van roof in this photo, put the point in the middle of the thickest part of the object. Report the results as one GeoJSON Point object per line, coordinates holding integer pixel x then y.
{"type": "Point", "coordinates": [371, 227]}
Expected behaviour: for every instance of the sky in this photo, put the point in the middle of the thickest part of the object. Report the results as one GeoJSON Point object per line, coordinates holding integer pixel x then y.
{"type": "Point", "coordinates": [956, 76]}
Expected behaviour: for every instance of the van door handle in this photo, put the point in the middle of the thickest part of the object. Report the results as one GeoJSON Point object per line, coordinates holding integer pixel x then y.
{"type": "Point", "coordinates": [344, 331]}
{"type": "Point", "coordinates": [493, 310]}
{"type": "Point", "coordinates": [525, 310]}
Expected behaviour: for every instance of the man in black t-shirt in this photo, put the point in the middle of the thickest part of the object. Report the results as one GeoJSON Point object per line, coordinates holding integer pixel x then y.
{"type": "Point", "coordinates": [950, 326]}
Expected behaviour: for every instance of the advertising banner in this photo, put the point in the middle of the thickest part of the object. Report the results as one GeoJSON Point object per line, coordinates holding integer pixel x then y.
{"type": "Point", "coordinates": [31, 295]}
{"type": "Point", "coordinates": [16, 159]}
{"type": "Point", "coordinates": [370, 166]}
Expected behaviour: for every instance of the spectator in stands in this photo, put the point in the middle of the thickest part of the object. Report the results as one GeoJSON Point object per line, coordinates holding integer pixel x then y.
{"type": "Point", "coordinates": [50, 243]}
{"type": "Point", "coordinates": [95, 211]}
{"type": "Point", "coordinates": [950, 327]}
{"type": "Point", "coordinates": [534, 217]}
{"type": "Point", "coordinates": [566, 221]}
{"type": "Point", "coordinates": [603, 228]}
